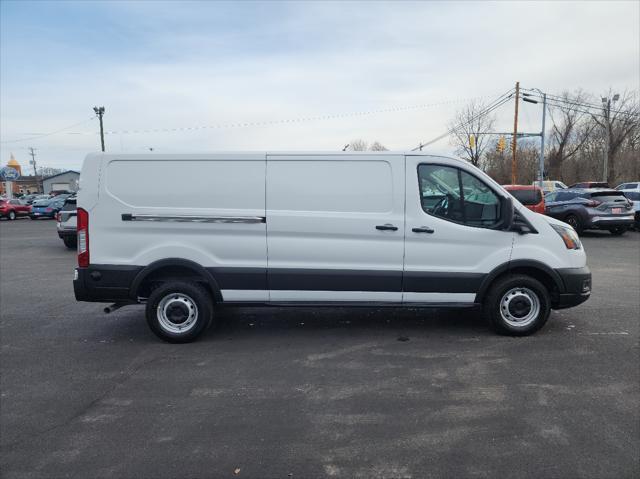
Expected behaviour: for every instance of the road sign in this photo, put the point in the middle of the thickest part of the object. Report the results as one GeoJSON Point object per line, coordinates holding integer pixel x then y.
{"type": "Point", "coordinates": [9, 174]}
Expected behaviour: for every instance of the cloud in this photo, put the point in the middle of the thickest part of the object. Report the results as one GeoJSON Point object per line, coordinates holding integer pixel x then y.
{"type": "Point", "coordinates": [170, 65]}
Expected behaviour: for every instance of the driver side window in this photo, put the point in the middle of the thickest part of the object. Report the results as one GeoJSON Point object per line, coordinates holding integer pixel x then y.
{"type": "Point", "coordinates": [455, 195]}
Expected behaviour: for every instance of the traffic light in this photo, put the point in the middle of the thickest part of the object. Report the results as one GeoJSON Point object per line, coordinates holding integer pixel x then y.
{"type": "Point", "coordinates": [502, 143]}
{"type": "Point", "coordinates": [472, 142]}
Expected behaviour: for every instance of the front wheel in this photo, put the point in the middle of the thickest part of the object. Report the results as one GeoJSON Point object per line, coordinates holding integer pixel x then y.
{"type": "Point", "coordinates": [178, 311]}
{"type": "Point", "coordinates": [618, 230]}
{"type": "Point", "coordinates": [517, 305]}
{"type": "Point", "coordinates": [11, 215]}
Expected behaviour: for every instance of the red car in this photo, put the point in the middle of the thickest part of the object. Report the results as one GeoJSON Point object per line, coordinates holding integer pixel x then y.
{"type": "Point", "coordinates": [13, 208]}
{"type": "Point", "coordinates": [530, 196]}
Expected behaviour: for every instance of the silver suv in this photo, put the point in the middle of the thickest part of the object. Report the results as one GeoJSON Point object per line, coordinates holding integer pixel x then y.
{"type": "Point", "coordinates": [68, 223]}
{"type": "Point", "coordinates": [632, 191]}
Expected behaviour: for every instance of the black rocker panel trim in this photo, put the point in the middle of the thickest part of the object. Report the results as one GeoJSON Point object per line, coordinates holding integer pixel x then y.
{"type": "Point", "coordinates": [285, 279]}
{"type": "Point", "coordinates": [424, 282]}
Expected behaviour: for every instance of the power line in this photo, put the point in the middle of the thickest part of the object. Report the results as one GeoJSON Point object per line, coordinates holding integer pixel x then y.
{"type": "Point", "coordinates": [569, 108]}
{"type": "Point", "coordinates": [293, 120]}
{"type": "Point", "coordinates": [557, 98]}
{"type": "Point", "coordinates": [49, 134]}
{"type": "Point", "coordinates": [498, 102]}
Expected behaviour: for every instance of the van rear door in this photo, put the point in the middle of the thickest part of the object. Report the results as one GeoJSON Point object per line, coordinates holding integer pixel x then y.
{"type": "Point", "coordinates": [450, 244]}
{"type": "Point", "coordinates": [335, 227]}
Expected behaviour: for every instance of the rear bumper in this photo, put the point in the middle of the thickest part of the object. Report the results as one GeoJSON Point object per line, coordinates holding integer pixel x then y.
{"type": "Point", "coordinates": [67, 234]}
{"type": "Point", "coordinates": [104, 284]}
{"type": "Point", "coordinates": [604, 222]}
{"type": "Point", "coordinates": [577, 287]}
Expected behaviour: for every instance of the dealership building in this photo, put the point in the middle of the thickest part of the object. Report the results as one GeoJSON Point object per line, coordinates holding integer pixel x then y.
{"type": "Point", "coordinates": [66, 181]}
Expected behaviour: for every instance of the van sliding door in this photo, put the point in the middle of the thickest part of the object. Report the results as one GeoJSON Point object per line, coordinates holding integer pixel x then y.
{"type": "Point", "coordinates": [335, 227]}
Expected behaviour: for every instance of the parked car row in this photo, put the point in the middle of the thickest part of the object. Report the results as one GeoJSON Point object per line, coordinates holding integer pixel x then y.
{"type": "Point", "coordinates": [585, 206]}
{"type": "Point", "coordinates": [13, 208]}
{"type": "Point", "coordinates": [68, 223]}
{"type": "Point", "coordinates": [61, 207]}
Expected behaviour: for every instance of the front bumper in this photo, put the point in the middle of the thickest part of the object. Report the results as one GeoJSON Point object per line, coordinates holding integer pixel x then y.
{"type": "Point", "coordinates": [577, 287]}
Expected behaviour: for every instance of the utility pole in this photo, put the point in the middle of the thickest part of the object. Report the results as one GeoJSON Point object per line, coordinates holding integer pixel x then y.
{"type": "Point", "coordinates": [100, 111]}
{"type": "Point", "coordinates": [606, 105]}
{"type": "Point", "coordinates": [32, 152]}
{"type": "Point", "coordinates": [514, 142]}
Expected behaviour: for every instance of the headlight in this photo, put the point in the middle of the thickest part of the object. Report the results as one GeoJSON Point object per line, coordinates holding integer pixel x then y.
{"type": "Point", "coordinates": [569, 236]}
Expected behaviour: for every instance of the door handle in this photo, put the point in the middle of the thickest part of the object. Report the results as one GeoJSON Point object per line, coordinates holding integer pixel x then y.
{"type": "Point", "coordinates": [387, 227]}
{"type": "Point", "coordinates": [422, 229]}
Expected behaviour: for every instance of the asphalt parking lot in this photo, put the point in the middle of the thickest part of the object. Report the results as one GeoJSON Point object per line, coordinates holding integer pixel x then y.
{"type": "Point", "coordinates": [303, 392]}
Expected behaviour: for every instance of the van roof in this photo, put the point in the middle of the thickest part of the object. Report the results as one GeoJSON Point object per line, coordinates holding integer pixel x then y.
{"type": "Point", "coordinates": [205, 155]}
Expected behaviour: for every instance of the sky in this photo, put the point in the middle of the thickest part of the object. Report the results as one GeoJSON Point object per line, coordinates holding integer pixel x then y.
{"type": "Point", "coordinates": [212, 76]}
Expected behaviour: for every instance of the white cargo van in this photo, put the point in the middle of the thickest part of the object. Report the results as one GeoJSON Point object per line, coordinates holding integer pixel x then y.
{"type": "Point", "coordinates": [183, 233]}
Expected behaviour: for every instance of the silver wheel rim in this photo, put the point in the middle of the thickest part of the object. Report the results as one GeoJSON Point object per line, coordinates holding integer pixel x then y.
{"type": "Point", "coordinates": [177, 313]}
{"type": "Point", "coordinates": [519, 307]}
{"type": "Point", "coordinates": [12, 215]}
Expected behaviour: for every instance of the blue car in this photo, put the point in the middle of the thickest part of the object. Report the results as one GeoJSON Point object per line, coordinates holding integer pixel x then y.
{"type": "Point", "coordinates": [46, 208]}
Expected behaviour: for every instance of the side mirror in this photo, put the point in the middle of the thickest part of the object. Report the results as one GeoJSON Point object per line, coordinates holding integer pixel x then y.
{"type": "Point", "coordinates": [506, 213]}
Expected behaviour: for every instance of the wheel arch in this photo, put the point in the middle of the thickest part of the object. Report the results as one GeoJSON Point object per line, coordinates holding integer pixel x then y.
{"type": "Point", "coordinates": [540, 271]}
{"type": "Point", "coordinates": [174, 268]}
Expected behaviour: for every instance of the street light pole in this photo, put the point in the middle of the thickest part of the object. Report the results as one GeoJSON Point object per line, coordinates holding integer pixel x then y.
{"type": "Point", "coordinates": [525, 97]}
{"type": "Point", "coordinates": [541, 160]}
{"type": "Point", "coordinates": [100, 111]}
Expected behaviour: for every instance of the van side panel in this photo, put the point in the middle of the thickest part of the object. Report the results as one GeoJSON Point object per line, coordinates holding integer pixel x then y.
{"type": "Point", "coordinates": [209, 209]}
{"type": "Point", "coordinates": [322, 217]}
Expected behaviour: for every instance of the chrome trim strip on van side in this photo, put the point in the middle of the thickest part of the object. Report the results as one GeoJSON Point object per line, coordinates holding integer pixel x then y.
{"type": "Point", "coordinates": [194, 218]}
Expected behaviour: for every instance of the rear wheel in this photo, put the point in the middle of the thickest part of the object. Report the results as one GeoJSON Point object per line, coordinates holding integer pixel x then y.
{"type": "Point", "coordinates": [618, 230]}
{"type": "Point", "coordinates": [179, 311]}
{"type": "Point", "coordinates": [11, 215]}
{"type": "Point", "coordinates": [574, 222]}
{"type": "Point", "coordinates": [70, 242]}
{"type": "Point", "coordinates": [517, 305]}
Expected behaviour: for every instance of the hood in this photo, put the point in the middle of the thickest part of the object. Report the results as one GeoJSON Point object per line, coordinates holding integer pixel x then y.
{"type": "Point", "coordinates": [553, 221]}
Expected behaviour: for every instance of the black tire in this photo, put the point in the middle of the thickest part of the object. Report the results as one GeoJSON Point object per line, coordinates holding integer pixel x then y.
{"type": "Point", "coordinates": [11, 215]}
{"type": "Point", "coordinates": [181, 299]}
{"type": "Point", "coordinates": [574, 222]}
{"type": "Point", "coordinates": [618, 230]}
{"type": "Point", "coordinates": [70, 242]}
{"type": "Point", "coordinates": [522, 290]}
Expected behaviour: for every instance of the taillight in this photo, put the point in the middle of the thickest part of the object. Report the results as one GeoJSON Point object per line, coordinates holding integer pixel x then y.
{"type": "Point", "coordinates": [593, 203]}
{"type": "Point", "coordinates": [58, 217]}
{"type": "Point", "coordinates": [49, 210]}
{"type": "Point", "coordinates": [83, 238]}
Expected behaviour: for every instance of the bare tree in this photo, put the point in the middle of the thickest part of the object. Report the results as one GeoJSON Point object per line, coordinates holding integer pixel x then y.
{"type": "Point", "coordinates": [358, 145]}
{"type": "Point", "coordinates": [469, 132]}
{"type": "Point", "coordinates": [49, 171]}
{"type": "Point", "coordinates": [621, 123]}
{"type": "Point", "coordinates": [361, 145]}
{"type": "Point", "coordinates": [569, 131]}
{"type": "Point", "coordinates": [377, 146]}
